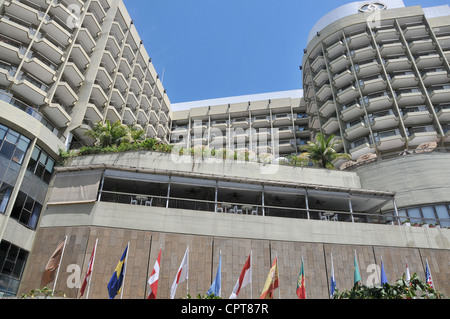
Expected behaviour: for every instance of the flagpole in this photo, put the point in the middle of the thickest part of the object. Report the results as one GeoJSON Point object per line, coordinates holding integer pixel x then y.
{"type": "Point", "coordinates": [279, 286]}
{"type": "Point", "coordinates": [187, 274]}
{"type": "Point", "coordinates": [251, 274]}
{"type": "Point", "coordinates": [90, 277]}
{"type": "Point", "coordinates": [59, 266]}
{"type": "Point", "coordinates": [125, 273]}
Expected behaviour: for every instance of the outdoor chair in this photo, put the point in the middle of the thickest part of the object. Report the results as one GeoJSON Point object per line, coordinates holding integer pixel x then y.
{"type": "Point", "coordinates": [255, 211]}
{"type": "Point", "coordinates": [133, 201]}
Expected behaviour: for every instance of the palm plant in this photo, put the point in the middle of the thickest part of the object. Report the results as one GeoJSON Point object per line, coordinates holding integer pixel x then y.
{"type": "Point", "coordinates": [322, 151]}
{"type": "Point", "coordinates": [108, 134]}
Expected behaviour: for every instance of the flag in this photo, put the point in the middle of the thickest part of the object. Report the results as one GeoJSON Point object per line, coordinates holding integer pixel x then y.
{"type": "Point", "coordinates": [357, 275]}
{"type": "Point", "coordinates": [383, 274]}
{"type": "Point", "coordinates": [333, 279]}
{"type": "Point", "coordinates": [154, 277]}
{"type": "Point", "coordinates": [53, 264]}
{"type": "Point", "coordinates": [89, 271]}
{"type": "Point", "coordinates": [428, 275]}
{"type": "Point", "coordinates": [216, 287]}
{"type": "Point", "coordinates": [272, 282]}
{"type": "Point", "coordinates": [115, 284]}
{"type": "Point", "coordinates": [182, 274]}
{"type": "Point", "coordinates": [244, 279]}
{"type": "Point", "coordinates": [301, 289]}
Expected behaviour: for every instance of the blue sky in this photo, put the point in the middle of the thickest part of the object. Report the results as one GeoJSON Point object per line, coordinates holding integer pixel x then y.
{"type": "Point", "coordinates": [219, 48]}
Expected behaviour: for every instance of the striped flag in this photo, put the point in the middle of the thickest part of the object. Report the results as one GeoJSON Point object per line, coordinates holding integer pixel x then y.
{"type": "Point", "coordinates": [87, 279]}
{"type": "Point", "coordinates": [272, 282]}
{"type": "Point", "coordinates": [244, 279]}
{"type": "Point", "coordinates": [154, 277]}
{"type": "Point", "coordinates": [216, 287]}
{"type": "Point", "coordinates": [117, 279]}
{"type": "Point", "coordinates": [357, 274]}
{"type": "Point", "coordinates": [182, 274]}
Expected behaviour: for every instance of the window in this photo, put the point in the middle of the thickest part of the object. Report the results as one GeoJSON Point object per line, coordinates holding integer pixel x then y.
{"type": "Point", "coordinates": [12, 263]}
{"type": "Point", "coordinates": [26, 211]}
{"type": "Point", "coordinates": [12, 144]}
{"type": "Point", "coordinates": [5, 193]}
{"type": "Point", "coordinates": [41, 164]}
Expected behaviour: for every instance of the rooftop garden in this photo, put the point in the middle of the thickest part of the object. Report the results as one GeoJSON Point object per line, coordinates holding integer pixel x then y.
{"type": "Point", "coordinates": [117, 138]}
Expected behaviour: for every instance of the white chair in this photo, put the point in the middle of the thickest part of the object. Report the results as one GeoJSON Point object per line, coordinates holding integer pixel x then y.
{"type": "Point", "coordinates": [334, 218]}
{"type": "Point", "coordinates": [149, 202]}
{"type": "Point", "coordinates": [255, 211]}
{"type": "Point", "coordinates": [133, 201]}
{"type": "Point", "coordinates": [219, 209]}
{"type": "Point", "coordinates": [323, 217]}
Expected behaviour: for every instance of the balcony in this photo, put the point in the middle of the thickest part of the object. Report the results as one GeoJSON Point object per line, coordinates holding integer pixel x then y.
{"type": "Point", "coordinates": [410, 97]}
{"type": "Point", "coordinates": [221, 125]}
{"type": "Point", "coordinates": [285, 147]}
{"type": "Point", "coordinates": [103, 78]}
{"type": "Point", "coordinates": [50, 49]}
{"type": "Point", "coordinates": [282, 119]}
{"type": "Point", "coordinates": [361, 147]}
{"type": "Point", "coordinates": [359, 39]}
{"type": "Point", "coordinates": [444, 41]}
{"type": "Point", "coordinates": [340, 63]}
{"type": "Point", "coordinates": [156, 104]}
{"type": "Point", "coordinates": [86, 40]}
{"type": "Point", "coordinates": [218, 141]}
{"type": "Point", "coordinates": [327, 108]}
{"type": "Point", "coordinates": [117, 99]}
{"type": "Point", "coordinates": [163, 118]}
{"type": "Point", "coordinates": [367, 68]}
{"type": "Point", "coordinates": [386, 34]}
{"type": "Point", "coordinates": [392, 48]}
{"type": "Point", "coordinates": [336, 48]}
{"type": "Point", "coordinates": [421, 45]}
{"type": "Point", "coordinates": [132, 100]}
{"type": "Point", "coordinates": [384, 120]}
{"type": "Point", "coordinates": [436, 76]}
{"type": "Point", "coordinates": [58, 113]}
{"type": "Point", "coordinates": [260, 121]}
{"type": "Point", "coordinates": [30, 88]}
{"type": "Point", "coordinates": [16, 29]}
{"type": "Point", "coordinates": [440, 94]}
{"type": "Point", "coordinates": [356, 129]}
{"type": "Point", "coordinates": [112, 114]}
{"type": "Point", "coordinates": [347, 94]}
{"type": "Point", "coordinates": [443, 113]}
{"type": "Point", "coordinates": [318, 62]}
{"type": "Point", "coordinates": [416, 115]}
{"type": "Point", "coordinates": [331, 126]}
{"type": "Point", "coordinates": [153, 117]}
{"type": "Point", "coordinates": [343, 78]}
{"type": "Point", "coordinates": [73, 74]}
{"type": "Point", "coordinates": [283, 133]}
{"type": "Point", "coordinates": [128, 116]}
{"type": "Point", "coordinates": [314, 122]}
{"type": "Point", "coordinates": [112, 46]}
{"type": "Point", "coordinates": [162, 130]}
{"type": "Point", "coordinates": [389, 140]}
{"type": "Point", "coordinates": [37, 65]}
{"type": "Point", "coordinates": [151, 131]}
{"type": "Point", "coordinates": [415, 31]}
{"type": "Point", "coordinates": [324, 93]}
{"type": "Point", "coordinates": [397, 64]}
{"type": "Point", "coordinates": [428, 60]}
{"type": "Point", "coordinates": [98, 95]}
{"type": "Point", "coordinates": [199, 126]}
{"type": "Point", "coordinates": [321, 77]}
{"type": "Point", "coordinates": [363, 54]}
{"type": "Point", "coordinates": [91, 23]}
{"type": "Point", "coordinates": [372, 84]}
{"type": "Point", "coordinates": [80, 57]}
{"type": "Point", "coordinates": [422, 134]}
{"type": "Point", "coordinates": [58, 29]}
{"type": "Point", "coordinates": [404, 79]}
{"type": "Point", "coordinates": [94, 113]}
{"type": "Point", "coordinates": [352, 111]}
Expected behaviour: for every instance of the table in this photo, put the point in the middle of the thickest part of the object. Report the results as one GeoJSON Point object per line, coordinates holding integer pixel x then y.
{"type": "Point", "coordinates": [328, 215]}
{"type": "Point", "coordinates": [247, 208]}
{"type": "Point", "coordinates": [226, 206]}
{"type": "Point", "coordinates": [142, 198]}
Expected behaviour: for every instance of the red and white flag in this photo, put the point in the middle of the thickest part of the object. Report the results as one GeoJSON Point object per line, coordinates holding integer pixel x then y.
{"type": "Point", "coordinates": [89, 270]}
{"type": "Point", "coordinates": [154, 277]}
{"type": "Point", "coordinates": [182, 274]}
{"type": "Point", "coordinates": [244, 279]}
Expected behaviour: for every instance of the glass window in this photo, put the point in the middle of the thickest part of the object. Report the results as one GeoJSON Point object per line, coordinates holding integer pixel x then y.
{"type": "Point", "coordinates": [12, 260]}
{"type": "Point", "coordinates": [13, 145]}
{"type": "Point", "coordinates": [414, 215]}
{"type": "Point", "coordinates": [5, 193]}
{"type": "Point", "coordinates": [428, 214]}
{"type": "Point", "coordinates": [41, 164]}
{"type": "Point", "coordinates": [443, 215]}
{"type": "Point", "coordinates": [26, 210]}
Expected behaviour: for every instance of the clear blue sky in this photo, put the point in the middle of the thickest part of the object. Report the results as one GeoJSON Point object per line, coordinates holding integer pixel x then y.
{"type": "Point", "coordinates": [219, 48]}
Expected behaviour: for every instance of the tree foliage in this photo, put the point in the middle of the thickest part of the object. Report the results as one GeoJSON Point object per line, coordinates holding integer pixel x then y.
{"type": "Point", "coordinates": [322, 151]}
{"type": "Point", "coordinates": [402, 289]}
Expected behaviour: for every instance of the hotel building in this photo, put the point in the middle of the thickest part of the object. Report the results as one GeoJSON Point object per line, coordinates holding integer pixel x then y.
{"type": "Point", "coordinates": [65, 65]}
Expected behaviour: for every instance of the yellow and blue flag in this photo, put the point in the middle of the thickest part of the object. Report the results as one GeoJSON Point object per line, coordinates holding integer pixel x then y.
{"type": "Point", "coordinates": [115, 284]}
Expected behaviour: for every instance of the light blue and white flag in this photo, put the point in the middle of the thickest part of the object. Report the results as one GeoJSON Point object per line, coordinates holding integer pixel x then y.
{"type": "Point", "coordinates": [216, 287]}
